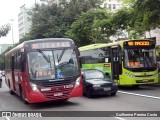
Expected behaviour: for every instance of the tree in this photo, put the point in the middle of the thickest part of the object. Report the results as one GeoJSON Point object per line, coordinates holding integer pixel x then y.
{"type": "Point", "coordinates": [146, 14]}
{"type": "Point", "coordinates": [2, 62]}
{"type": "Point", "coordinates": [4, 29]}
{"type": "Point", "coordinates": [55, 20]}
{"type": "Point", "coordinates": [91, 27]}
{"type": "Point", "coordinates": [150, 13]}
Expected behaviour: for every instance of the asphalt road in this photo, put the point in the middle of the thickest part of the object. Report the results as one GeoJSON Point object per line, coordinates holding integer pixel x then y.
{"type": "Point", "coordinates": [145, 98]}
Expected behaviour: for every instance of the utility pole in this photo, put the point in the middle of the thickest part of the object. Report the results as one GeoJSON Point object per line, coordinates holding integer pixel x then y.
{"type": "Point", "coordinates": [12, 31]}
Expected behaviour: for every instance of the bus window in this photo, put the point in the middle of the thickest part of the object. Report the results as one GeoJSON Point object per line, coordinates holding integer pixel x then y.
{"type": "Point", "coordinates": [136, 58]}
{"type": "Point", "coordinates": [39, 67]}
{"type": "Point", "coordinates": [65, 62]}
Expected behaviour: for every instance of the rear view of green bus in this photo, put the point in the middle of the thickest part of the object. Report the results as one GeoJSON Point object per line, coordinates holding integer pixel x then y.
{"type": "Point", "coordinates": [130, 62]}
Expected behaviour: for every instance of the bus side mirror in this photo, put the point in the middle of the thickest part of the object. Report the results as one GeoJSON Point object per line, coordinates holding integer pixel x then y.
{"type": "Point", "coordinates": [80, 62]}
{"type": "Point", "coordinates": [107, 75]}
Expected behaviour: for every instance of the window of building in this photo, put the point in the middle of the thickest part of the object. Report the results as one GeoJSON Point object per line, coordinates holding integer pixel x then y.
{"type": "Point", "coordinates": [109, 6]}
{"type": "Point", "coordinates": [105, 5]}
{"type": "Point", "coordinates": [114, 6]}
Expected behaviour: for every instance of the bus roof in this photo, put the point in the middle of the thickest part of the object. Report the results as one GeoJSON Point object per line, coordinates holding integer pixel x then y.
{"type": "Point", "coordinates": [48, 39]}
{"type": "Point", "coordinates": [38, 40]}
{"type": "Point", "coordinates": [100, 45]}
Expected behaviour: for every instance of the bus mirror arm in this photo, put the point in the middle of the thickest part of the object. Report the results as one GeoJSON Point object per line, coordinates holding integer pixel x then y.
{"type": "Point", "coordinates": [80, 62]}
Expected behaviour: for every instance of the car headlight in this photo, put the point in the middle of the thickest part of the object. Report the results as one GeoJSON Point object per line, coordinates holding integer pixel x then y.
{"type": "Point", "coordinates": [96, 85]}
{"type": "Point", "coordinates": [34, 87]}
{"type": "Point", "coordinates": [77, 83]}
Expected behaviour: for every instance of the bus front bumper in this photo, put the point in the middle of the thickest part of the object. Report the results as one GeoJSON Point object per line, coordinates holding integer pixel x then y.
{"type": "Point", "coordinates": [36, 97]}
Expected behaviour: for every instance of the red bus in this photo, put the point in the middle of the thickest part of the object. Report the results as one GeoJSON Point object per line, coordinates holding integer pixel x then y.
{"type": "Point", "coordinates": [44, 70]}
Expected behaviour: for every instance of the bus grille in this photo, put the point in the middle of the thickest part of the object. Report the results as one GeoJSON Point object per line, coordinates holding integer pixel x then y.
{"type": "Point", "coordinates": [50, 94]}
{"type": "Point", "coordinates": [54, 83]}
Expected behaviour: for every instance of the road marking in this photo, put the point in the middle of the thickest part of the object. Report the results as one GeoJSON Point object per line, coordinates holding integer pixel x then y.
{"type": "Point", "coordinates": [119, 118]}
{"type": "Point", "coordinates": [7, 118]}
{"type": "Point", "coordinates": [148, 96]}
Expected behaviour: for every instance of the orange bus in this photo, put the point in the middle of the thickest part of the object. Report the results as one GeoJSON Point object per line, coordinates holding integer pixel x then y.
{"type": "Point", "coordinates": [44, 70]}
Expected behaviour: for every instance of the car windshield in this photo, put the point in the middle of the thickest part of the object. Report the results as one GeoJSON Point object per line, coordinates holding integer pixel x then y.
{"type": "Point", "coordinates": [52, 64]}
{"type": "Point", "coordinates": [94, 75]}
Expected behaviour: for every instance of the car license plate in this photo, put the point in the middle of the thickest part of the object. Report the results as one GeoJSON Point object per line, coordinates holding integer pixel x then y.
{"type": "Point", "coordinates": [107, 89]}
{"type": "Point", "coordinates": [58, 94]}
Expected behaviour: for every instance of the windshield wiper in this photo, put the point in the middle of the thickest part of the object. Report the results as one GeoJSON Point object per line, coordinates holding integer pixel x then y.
{"type": "Point", "coordinates": [44, 56]}
{"type": "Point", "coordinates": [61, 55]}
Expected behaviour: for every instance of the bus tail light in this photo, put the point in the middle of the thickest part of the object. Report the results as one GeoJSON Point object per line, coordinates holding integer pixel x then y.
{"type": "Point", "coordinates": [34, 87]}
{"type": "Point", "coordinates": [77, 82]}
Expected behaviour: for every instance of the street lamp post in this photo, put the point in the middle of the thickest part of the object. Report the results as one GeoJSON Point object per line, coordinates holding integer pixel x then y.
{"type": "Point", "coordinates": [12, 31]}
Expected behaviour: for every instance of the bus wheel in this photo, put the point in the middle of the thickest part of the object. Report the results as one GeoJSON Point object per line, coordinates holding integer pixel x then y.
{"type": "Point", "coordinates": [22, 96]}
{"type": "Point", "coordinates": [10, 90]}
{"type": "Point", "coordinates": [136, 86]}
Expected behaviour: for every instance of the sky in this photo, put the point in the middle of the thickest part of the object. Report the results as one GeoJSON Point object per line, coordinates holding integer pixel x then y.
{"type": "Point", "coordinates": [9, 9]}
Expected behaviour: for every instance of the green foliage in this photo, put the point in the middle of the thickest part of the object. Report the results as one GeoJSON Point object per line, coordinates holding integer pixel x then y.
{"type": "Point", "coordinates": [91, 27]}
{"type": "Point", "coordinates": [146, 15]}
{"type": "Point", "coordinates": [55, 20]}
{"type": "Point", "coordinates": [4, 29]}
{"type": "Point", "coordinates": [149, 11]}
{"type": "Point", "coordinates": [2, 62]}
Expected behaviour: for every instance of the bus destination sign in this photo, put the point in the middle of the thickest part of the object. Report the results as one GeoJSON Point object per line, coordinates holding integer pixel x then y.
{"type": "Point", "coordinates": [43, 45]}
{"type": "Point", "coordinates": [138, 43]}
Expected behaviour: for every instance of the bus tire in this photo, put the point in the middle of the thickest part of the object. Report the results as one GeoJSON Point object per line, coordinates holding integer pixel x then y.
{"type": "Point", "coordinates": [10, 90]}
{"type": "Point", "coordinates": [22, 96]}
{"type": "Point", "coordinates": [135, 86]}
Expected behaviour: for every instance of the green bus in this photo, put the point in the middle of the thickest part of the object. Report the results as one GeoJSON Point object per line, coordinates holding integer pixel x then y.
{"type": "Point", "coordinates": [130, 62]}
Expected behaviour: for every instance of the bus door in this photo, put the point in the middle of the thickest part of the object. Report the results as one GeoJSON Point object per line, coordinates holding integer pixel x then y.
{"type": "Point", "coordinates": [17, 71]}
{"type": "Point", "coordinates": [115, 66]}
{"type": "Point", "coordinates": [12, 84]}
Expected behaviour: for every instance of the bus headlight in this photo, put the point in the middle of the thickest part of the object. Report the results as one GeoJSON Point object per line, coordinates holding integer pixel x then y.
{"type": "Point", "coordinates": [77, 83]}
{"type": "Point", "coordinates": [34, 87]}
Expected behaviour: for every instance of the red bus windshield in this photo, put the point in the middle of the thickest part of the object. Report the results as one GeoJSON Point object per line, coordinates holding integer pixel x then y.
{"type": "Point", "coordinates": [52, 64]}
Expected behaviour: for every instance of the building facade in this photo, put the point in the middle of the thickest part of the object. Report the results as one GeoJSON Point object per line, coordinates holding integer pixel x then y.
{"type": "Point", "coordinates": [24, 20]}
{"type": "Point", "coordinates": [112, 5]}
{"type": "Point", "coordinates": [53, 1]}
{"type": "Point", "coordinates": [154, 34]}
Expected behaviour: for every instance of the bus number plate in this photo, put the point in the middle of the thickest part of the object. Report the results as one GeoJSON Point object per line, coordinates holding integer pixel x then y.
{"type": "Point", "coordinates": [58, 94]}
